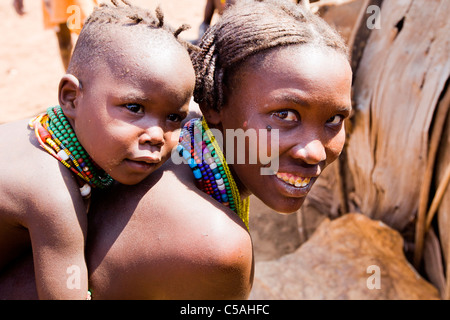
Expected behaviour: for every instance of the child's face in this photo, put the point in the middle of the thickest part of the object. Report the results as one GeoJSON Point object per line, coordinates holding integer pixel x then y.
{"type": "Point", "coordinates": [129, 112]}
{"type": "Point", "coordinates": [302, 92]}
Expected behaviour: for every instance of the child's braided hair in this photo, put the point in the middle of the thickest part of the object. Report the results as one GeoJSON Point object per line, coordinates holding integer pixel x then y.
{"type": "Point", "coordinates": [98, 24]}
{"type": "Point", "coordinates": [131, 14]}
{"type": "Point", "coordinates": [249, 27]}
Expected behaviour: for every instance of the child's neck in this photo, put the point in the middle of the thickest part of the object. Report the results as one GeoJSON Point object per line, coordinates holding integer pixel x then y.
{"type": "Point", "coordinates": [56, 135]}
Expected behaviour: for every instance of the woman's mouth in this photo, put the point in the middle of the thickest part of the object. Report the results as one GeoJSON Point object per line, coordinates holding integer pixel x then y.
{"type": "Point", "coordinates": [294, 180]}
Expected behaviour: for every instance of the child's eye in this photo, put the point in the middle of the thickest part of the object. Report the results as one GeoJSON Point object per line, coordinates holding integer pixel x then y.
{"type": "Point", "coordinates": [174, 117]}
{"type": "Point", "coordinates": [135, 108]}
{"type": "Point", "coordinates": [335, 120]}
{"type": "Point", "coordinates": [286, 115]}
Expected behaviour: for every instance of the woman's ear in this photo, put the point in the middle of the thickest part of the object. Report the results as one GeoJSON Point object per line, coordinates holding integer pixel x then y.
{"type": "Point", "coordinates": [69, 91]}
{"type": "Point", "coordinates": [212, 116]}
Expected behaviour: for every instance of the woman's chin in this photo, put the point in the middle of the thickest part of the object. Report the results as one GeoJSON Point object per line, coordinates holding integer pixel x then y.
{"type": "Point", "coordinates": [284, 206]}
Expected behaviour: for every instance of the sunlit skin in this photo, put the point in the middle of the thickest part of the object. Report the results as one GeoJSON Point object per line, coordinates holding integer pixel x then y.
{"type": "Point", "coordinates": [302, 91]}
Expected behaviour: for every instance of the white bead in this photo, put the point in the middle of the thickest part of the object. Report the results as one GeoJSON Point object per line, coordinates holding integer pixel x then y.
{"type": "Point", "coordinates": [213, 166]}
{"type": "Point", "coordinates": [85, 190]}
{"type": "Point", "coordinates": [221, 186]}
{"type": "Point", "coordinates": [63, 155]}
{"type": "Point", "coordinates": [219, 182]}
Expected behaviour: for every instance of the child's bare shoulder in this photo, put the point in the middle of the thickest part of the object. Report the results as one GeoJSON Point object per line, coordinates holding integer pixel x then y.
{"type": "Point", "coordinates": [33, 182]}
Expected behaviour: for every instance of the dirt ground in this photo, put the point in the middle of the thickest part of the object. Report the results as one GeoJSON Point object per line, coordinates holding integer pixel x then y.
{"type": "Point", "coordinates": [30, 65]}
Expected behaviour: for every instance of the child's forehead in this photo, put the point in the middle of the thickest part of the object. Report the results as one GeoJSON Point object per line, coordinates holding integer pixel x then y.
{"type": "Point", "coordinates": [128, 45]}
{"type": "Point", "coordinates": [139, 36]}
{"type": "Point", "coordinates": [132, 58]}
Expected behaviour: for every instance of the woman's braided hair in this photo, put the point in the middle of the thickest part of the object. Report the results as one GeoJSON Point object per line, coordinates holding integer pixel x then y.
{"type": "Point", "coordinates": [98, 26]}
{"type": "Point", "coordinates": [249, 27]}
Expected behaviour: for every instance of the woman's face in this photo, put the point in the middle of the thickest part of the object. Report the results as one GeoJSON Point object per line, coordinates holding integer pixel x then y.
{"type": "Point", "coordinates": [300, 94]}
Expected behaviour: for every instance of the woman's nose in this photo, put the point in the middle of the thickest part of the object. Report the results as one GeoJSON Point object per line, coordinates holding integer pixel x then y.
{"type": "Point", "coordinates": [312, 152]}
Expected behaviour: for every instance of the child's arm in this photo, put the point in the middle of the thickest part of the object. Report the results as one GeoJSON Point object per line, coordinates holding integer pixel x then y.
{"type": "Point", "coordinates": [57, 233]}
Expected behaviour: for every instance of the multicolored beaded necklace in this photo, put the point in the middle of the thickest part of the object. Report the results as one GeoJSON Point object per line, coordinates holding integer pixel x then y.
{"type": "Point", "coordinates": [56, 136]}
{"type": "Point", "coordinates": [211, 172]}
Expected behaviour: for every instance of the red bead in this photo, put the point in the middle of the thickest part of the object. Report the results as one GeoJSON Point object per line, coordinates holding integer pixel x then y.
{"type": "Point", "coordinates": [199, 184]}
{"type": "Point", "coordinates": [44, 134]}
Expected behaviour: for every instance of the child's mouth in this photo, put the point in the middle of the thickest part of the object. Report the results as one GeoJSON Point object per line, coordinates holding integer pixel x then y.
{"type": "Point", "coordinates": [294, 180]}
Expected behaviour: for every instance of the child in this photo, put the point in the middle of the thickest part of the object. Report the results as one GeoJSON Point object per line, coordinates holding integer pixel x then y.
{"type": "Point", "coordinates": [128, 87]}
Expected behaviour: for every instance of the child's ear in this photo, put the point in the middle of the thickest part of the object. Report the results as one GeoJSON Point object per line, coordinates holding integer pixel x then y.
{"type": "Point", "coordinates": [69, 91]}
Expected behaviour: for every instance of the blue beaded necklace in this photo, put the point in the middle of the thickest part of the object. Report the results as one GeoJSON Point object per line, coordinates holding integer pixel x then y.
{"type": "Point", "coordinates": [212, 175]}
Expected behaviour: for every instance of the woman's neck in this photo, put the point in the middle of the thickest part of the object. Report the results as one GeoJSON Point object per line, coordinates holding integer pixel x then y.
{"type": "Point", "coordinates": [243, 191]}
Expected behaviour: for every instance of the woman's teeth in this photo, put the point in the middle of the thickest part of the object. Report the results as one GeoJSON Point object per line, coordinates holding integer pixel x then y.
{"type": "Point", "coordinates": [294, 180]}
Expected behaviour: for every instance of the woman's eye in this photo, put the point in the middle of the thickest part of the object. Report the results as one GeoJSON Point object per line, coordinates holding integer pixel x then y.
{"type": "Point", "coordinates": [286, 115]}
{"type": "Point", "coordinates": [135, 108]}
{"type": "Point", "coordinates": [335, 120]}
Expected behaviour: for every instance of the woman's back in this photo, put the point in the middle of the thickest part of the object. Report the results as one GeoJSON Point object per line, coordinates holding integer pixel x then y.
{"type": "Point", "coordinates": [155, 243]}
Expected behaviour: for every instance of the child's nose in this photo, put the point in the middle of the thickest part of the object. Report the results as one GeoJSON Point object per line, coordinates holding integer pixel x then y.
{"type": "Point", "coordinates": [153, 135]}
{"type": "Point", "coordinates": [312, 152]}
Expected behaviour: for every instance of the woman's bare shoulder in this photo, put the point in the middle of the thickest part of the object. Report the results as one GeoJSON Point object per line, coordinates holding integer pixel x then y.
{"type": "Point", "coordinates": [173, 230]}
{"type": "Point", "coordinates": [176, 192]}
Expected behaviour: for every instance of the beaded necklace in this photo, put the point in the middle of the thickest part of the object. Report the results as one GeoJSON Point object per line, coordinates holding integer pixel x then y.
{"type": "Point", "coordinates": [56, 136]}
{"type": "Point", "coordinates": [211, 172]}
